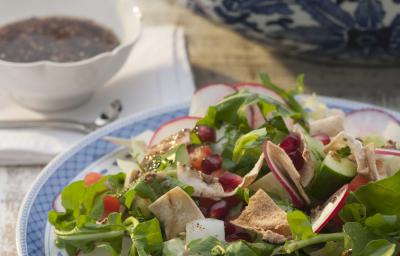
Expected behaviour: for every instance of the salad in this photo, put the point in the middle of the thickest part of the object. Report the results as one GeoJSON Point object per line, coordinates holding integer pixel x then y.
{"type": "Point", "coordinates": [254, 170]}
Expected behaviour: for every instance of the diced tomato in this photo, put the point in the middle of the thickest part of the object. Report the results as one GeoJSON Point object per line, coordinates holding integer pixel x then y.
{"type": "Point", "coordinates": [91, 178]}
{"type": "Point", "coordinates": [357, 181]}
{"type": "Point", "coordinates": [111, 204]}
{"type": "Point", "coordinates": [198, 155]}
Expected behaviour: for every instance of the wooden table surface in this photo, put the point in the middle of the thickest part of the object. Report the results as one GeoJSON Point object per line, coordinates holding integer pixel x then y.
{"type": "Point", "coordinates": [219, 55]}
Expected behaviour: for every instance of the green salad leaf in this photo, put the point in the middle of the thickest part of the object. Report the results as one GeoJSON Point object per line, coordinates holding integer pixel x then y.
{"type": "Point", "coordinates": [300, 225]}
{"type": "Point", "coordinates": [382, 196]}
{"type": "Point", "coordinates": [146, 238]}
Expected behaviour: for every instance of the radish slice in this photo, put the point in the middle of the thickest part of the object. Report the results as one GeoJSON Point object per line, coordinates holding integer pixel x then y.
{"type": "Point", "coordinates": [259, 89]}
{"type": "Point", "coordinates": [257, 117]}
{"type": "Point", "coordinates": [254, 116]}
{"type": "Point", "coordinates": [172, 127]}
{"type": "Point", "coordinates": [330, 209]}
{"type": "Point", "coordinates": [368, 121]}
{"type": "Point", "coordinates": [387, 152]}
{"type": "Point", "coordinates": [208, 96]}
{"type": "Point", "coordinates": [203, 228]}
{"type": "Point", "coordinates": [57, 205]}
{"type": "Point", "coordinates": [295, 197]}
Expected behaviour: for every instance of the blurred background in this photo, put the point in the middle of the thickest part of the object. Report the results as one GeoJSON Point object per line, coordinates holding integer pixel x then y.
{"type": "Point", "coordinates": [217, 54]}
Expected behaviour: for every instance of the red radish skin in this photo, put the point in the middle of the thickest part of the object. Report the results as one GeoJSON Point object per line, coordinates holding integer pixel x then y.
{"type": "Point", "coordinates": [172, 127]}
{"type": "Point", "coordinates": [387, 152]}
{"type": "Point", "coordinates": [323, 138]}
{"type": "Point", "coordinates": [343, 192]}
{"type": "Point", "coordinates": [296, 199]}
{"type": "Point", "coordinates": [357, 181]}
{"type": "Point", "coordinates": [259, 89]}
{"type": "Point", "coordinates": [207, 96]}
{"type": "Point", "coordinates": [366, 121]}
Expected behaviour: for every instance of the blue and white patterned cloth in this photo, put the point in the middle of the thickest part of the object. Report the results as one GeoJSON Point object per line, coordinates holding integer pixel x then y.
{"type": "Point", "coordinates": [349, 31]}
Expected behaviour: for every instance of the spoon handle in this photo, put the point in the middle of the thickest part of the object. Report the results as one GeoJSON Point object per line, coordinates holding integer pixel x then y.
{"type": "Point", "coordinates": [70, 125]}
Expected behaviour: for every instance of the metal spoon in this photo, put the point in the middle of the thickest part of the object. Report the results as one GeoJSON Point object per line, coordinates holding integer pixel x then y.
{"type": "Point", "coordinates": [107, 116]}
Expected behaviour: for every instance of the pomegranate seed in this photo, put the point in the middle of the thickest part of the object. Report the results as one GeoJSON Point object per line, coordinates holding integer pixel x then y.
{"type": "Point", "coordinates": [206, 202]}
{"type": "Point", "coordinates": [297, 159]}
{"type": "Point", "coordinates": [206, 133]}
{"type": "Point", "coordinates": [230, 181]}
{"type": "Point", "coordinates": [230, 228]}
{"type": "Point", "coordinates": [232, 201]}
{"type": "Point", "coordinates": [323, 138]}
{"type": "Point", "coordinates": [204, 210]}
{"type": "Point", "coordinates": [238, 236]}
{"type": "Point", "coordinates": [218, 210]}
{"type": "Point", "coordinates": [290, 143]}
{"type": "Point", "coordinates": [211, 163]}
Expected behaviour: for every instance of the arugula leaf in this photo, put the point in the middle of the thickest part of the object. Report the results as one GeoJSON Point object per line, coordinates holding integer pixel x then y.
{"type": "Point", "coordinates": [331, 248]}
{"type": "Point", "coordinates": [380, 247]}
{"type": "Point", "coordinates": [155, 185]}
{"type": "Point", "coordinates": [249, 145]}
{"type": "Point", "coordinates": [147, 238]}
{"type": "Point", "coordinates": [381, 196]}
{"type": "Point", "coordinates": [384, 224]}
{"type": "Point", "coordinates": [288, 96]}
{"type": "Point", "coordinates": [353, 212]}
{"type": "Point", "coordinates": [250, 249]}
{"type": "Point", "coordinates": [300, 225]}
{"type": "Point", "coordinates": [204, 246]}
{"type": "Point", "coordinates": [87, 232]}
{"type": "Point", "coordinates": [357, 236]}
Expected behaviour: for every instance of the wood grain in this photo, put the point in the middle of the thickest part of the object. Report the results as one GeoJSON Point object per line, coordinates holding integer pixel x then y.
{"type": "Point", "coordinates": [220, 55]}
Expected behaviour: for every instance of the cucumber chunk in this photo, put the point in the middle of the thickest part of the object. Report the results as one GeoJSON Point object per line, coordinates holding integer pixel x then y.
{"type": "Point", "coordinates": [333, 174]}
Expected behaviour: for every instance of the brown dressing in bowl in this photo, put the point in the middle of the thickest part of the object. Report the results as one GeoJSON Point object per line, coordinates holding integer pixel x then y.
{"type": "Point", "coordinates": [57, 39]}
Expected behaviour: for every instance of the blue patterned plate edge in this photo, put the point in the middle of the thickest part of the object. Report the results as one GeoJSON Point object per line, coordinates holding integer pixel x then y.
{"type": "Point", "coordinates": [162, 115]}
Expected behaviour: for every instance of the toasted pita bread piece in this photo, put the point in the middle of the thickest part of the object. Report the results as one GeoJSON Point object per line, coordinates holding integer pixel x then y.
{"type": "Point", "coordinates": [310, 158]}
{"type": "Point", "coordinates": [175, 209]}
{"type": "Point", "coordinates": [330, 126]}
{"type": "Point", "coordinates": [264, 217]}
{"type": "Point", "coordinates": [209, 187]}
{"type": "Point", "coordinates": [287, 168]}
{"type": "Point", "coordinates": [358, 153]}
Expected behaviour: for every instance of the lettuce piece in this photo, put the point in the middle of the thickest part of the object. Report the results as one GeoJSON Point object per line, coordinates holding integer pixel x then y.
{"type": "Point", "coordinates": [153, 187]}
{"type": "Point", "coordinates": [363, 242]}
{"type": "Point", "coordinates": [251, 249]}
{"type": "Point", "coordinates": [204, 246]}
{"type": "Point", "coordinates": [146, 238]}
{"type": "Point", "coordinates": [87, 233]}
{"type": "Point", "coordinates": [300, 225]}
{"type": "Point", "coordinates": [382, 196]}
{"type": "Point", "coordinates": [331, 248]}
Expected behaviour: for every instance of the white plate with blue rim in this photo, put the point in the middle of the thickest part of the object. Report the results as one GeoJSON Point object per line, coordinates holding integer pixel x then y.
{"type": "Point", "coordinates": [34, 234]}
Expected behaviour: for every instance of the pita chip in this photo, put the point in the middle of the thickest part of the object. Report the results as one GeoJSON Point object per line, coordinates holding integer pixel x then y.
{"type": "Point", "coordinates": [175, 209]}
{"type": "Point", "coordinates": [264, 217]}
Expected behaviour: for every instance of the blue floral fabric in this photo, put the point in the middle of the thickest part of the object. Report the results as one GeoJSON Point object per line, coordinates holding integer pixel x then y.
{"type": "Point", "coordinates": [338, 29]}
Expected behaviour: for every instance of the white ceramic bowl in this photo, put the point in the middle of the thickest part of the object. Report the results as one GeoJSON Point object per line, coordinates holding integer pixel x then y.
{"type": "Point", "coordinates": [51, 86]}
